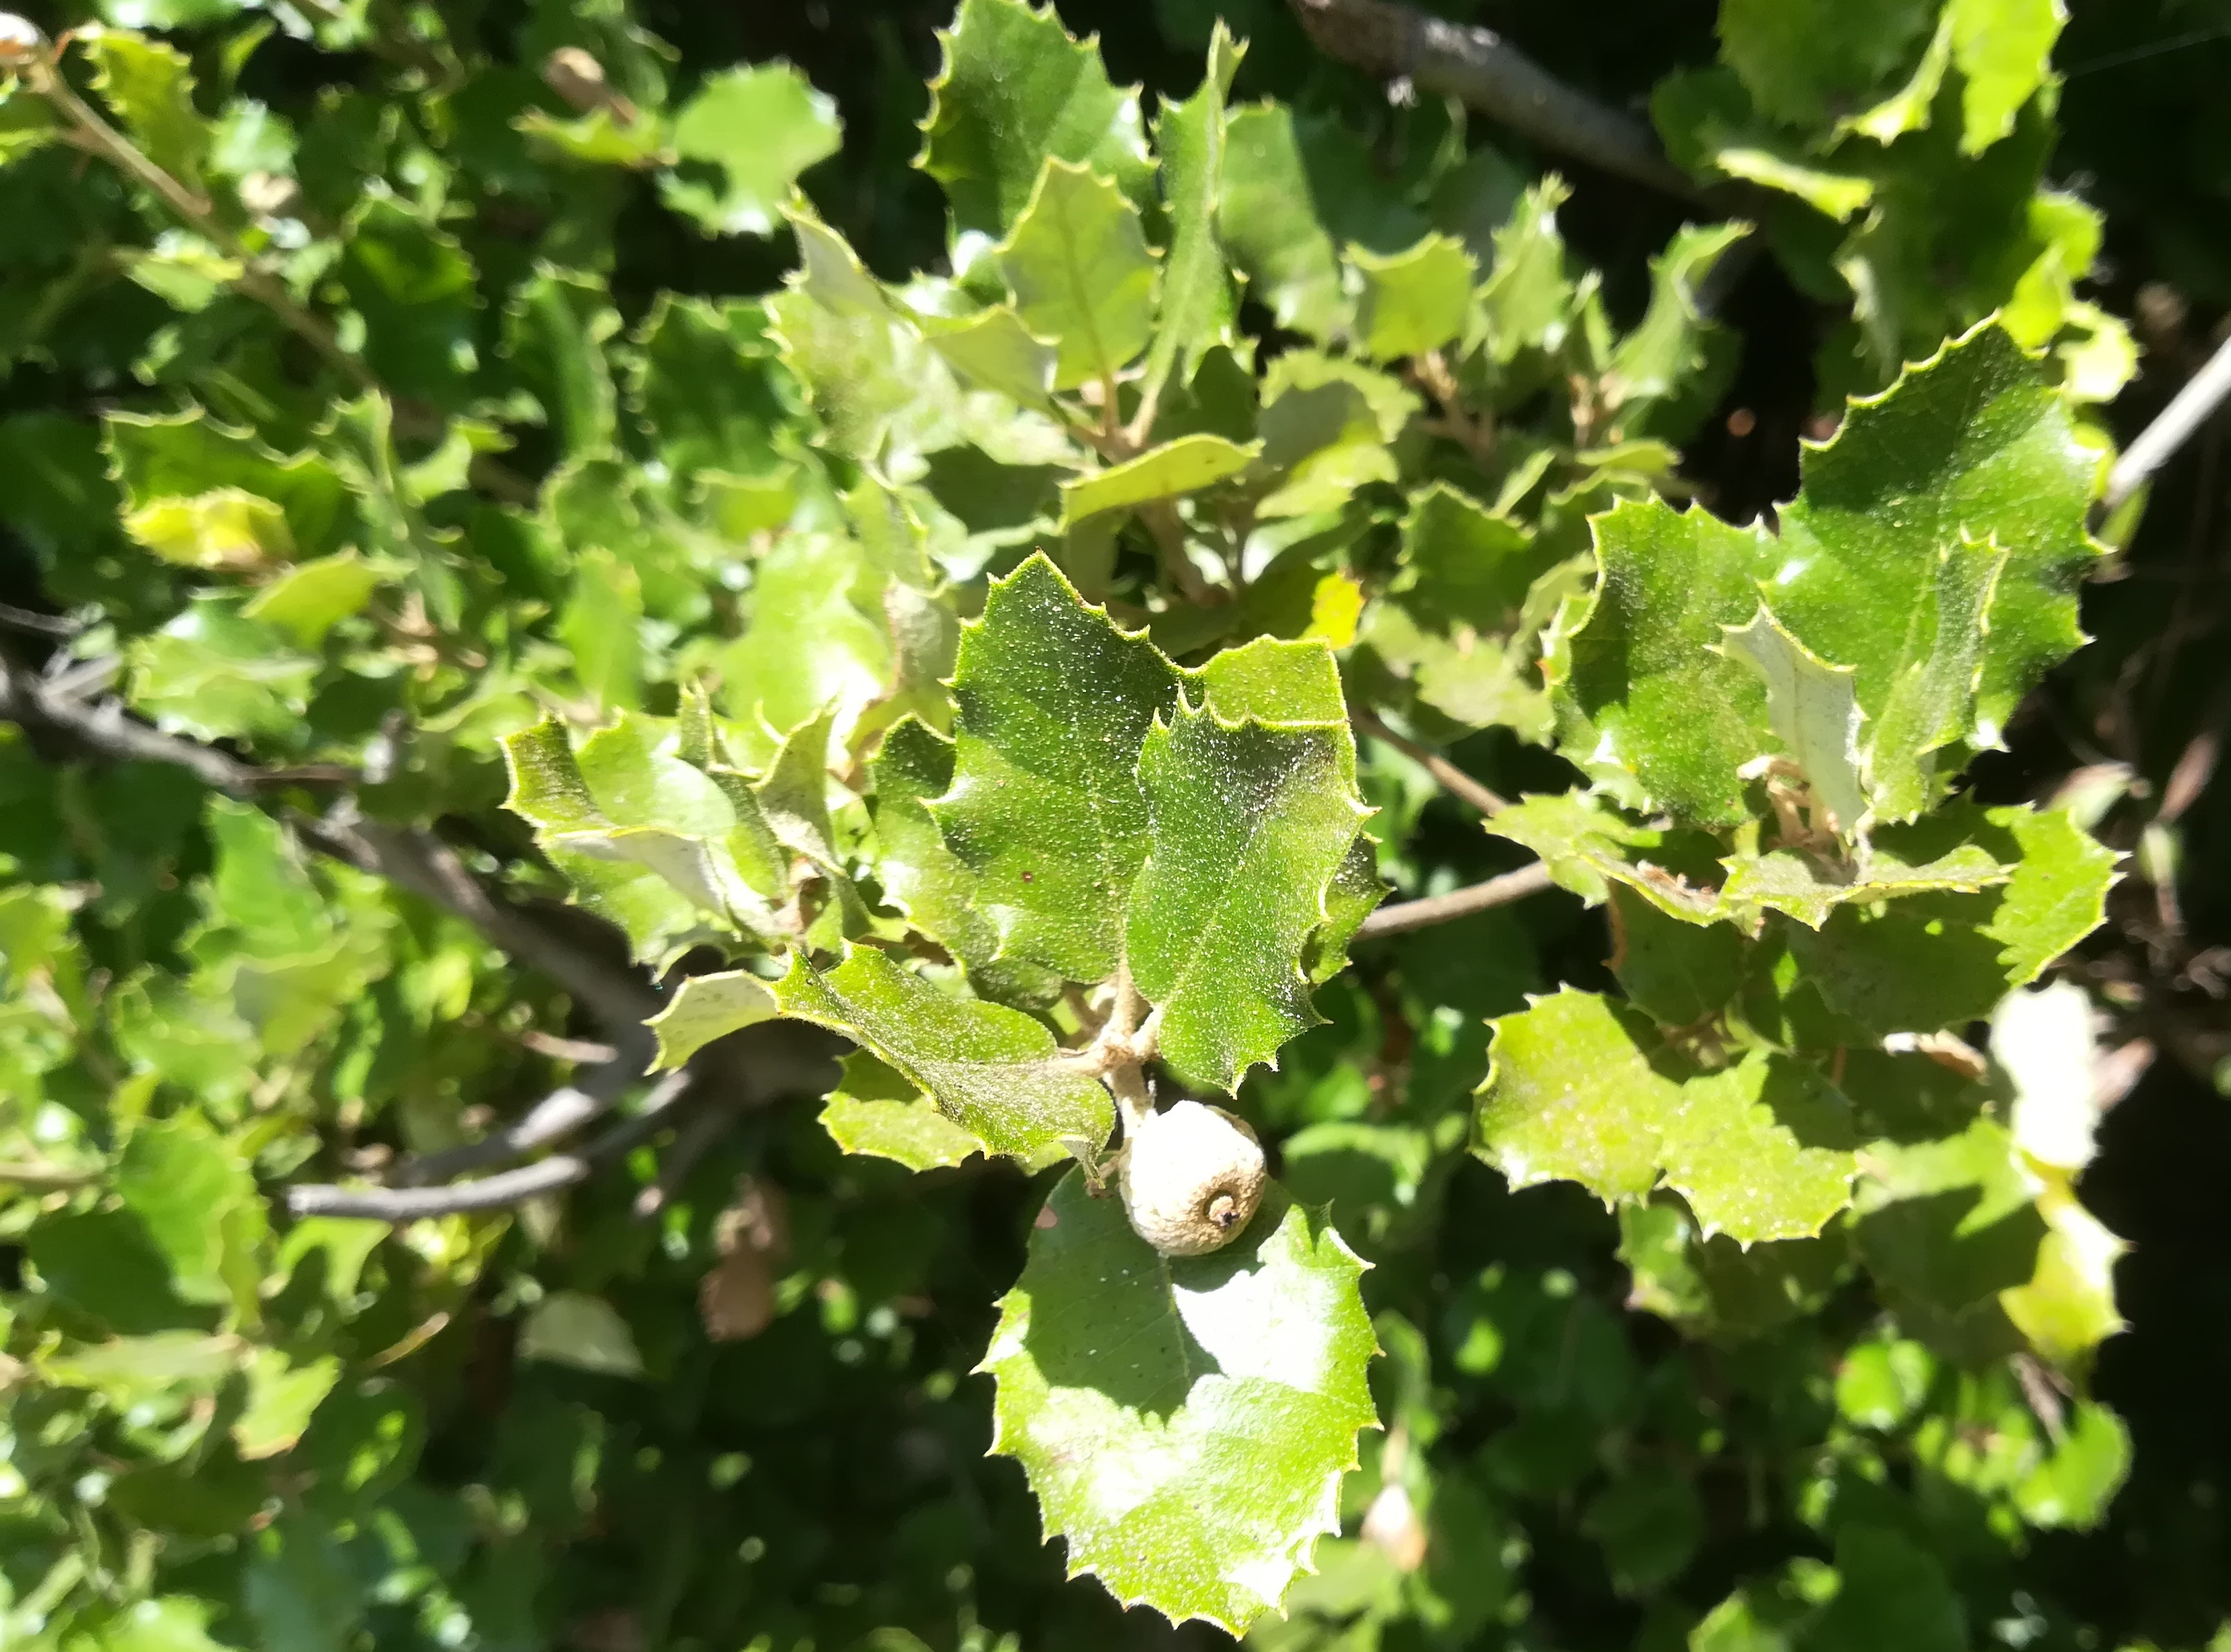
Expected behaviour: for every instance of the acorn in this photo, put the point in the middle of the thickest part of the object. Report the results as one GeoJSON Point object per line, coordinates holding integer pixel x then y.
{"type": "Point", "coordinates": [1192, 1175]}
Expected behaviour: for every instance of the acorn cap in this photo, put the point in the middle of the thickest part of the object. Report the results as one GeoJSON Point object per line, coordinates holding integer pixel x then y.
{"type": "Point", "coordinates": [1193, 1177]}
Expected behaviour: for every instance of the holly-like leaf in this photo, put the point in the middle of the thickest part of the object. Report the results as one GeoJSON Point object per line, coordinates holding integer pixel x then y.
{"type": "Point", "coordinates": [1414, 301]}
{"type": "Point", "coordinates": [1810, 704]}
{"type": "Point", "coordinates": [1762, 1150]}
{"type": "Point", "coordinates": [1046, 807]}
{"type": "Point", "coordinates": [1018, 89]}
{"type": "Point", "coordinates": [876, 1111]}
{"type": "Point", "coordinates": [1808, 885]}
{"type": "Point", "coordinates": [1939, 961]}
{"type": "Point", "coordinates": [1083, 273]}
{"type": "Point", "coordinates": [1680, 971]}
{"type": "Point", "coordinates": [991, 1070]}
{"type": "Point", "coordinates": [707, 1006]}
{"type": "Point", "coordinates": [151, 86]}
{"type": "Point", "coordinates": [1176, 469]}
{"type": "Point", "coordinates": [1327, 423]}
{"type": "Point", "coordinates": [1658, 699]}
{"type": "Point", "coordinates": [1580, 1088]}
{"type": "Point", "coordinates": [1249, 820]}
{"type": "Point", "coordinates": [926, 879]}
{"type": "Point", "coordinates": [1805, 61]}
{"type": "Point", "coordinates": [756, 129]}
{"type": "Point", "coordinates": [1588, 847]}
{"type": "Point", "coordinates": [1661, 355]}
{"type": "Point", "coordinates": [1945, 1225]}
{"type": "Point", "coordinates": [994, 349]}
{"type": "Point", "coordinates": [1571, 1095]}
{"type": "Point", "coordinates": [1184, 1421]}
{"type": "Point", "coordinates": [1884, 556]}
{"type": "Point", "coordinates": [2004, 50]}
{"type": "Point", "coordinates": [1527, 303]}
{"type": "Point", "coordinates": [628, 807]}
{"type": "Point", "coordinates": [1198, 305]}
{"type": "Point", "coordinates": [1268, 217]}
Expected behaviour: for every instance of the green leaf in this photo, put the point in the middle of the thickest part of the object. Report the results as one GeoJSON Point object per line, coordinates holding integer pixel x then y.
{"type": "Point", "coordinates": [557, 325]}
{"type": "Point", "coordinates": [1945, 1225]}
{"type": "Point", "coordinates": [189, 453]}
{"type": "Point", "coordinates": [757, 128]}
{"type": "Point", "coordinates": [926, 879]}
{"type": "Point", "coordinates": [1198, 305]}
{"type": "Point", "coordinates": [1268, 221]}
{"type": "Point", "coordinates": [1185, 1422]}
{"type": "Point", "coordinates": [1762, 1150]}
{"type": "Point", "coordinates": [1661, 701]}
{"type": "Point", "coordinates": [1046, 807]}
{"type": "Point", "coordinates": [1660, 355]}
{"type": "Point", "coordinates": [2088, 1464]}
{"type": "Point", "coordinates": [2004, 48]}
{"type": "Point", "coordinates": [151, 86]}
{"type": "Point", "coordinates": [2067, 1309]}
{"type": "Point", "coordinates": [282, 1395]}
{"type": "Point", "coordinates": [1810, 704]}
{"type": "Point", "coordinates": [707, 1006]}
{"type": "Point", "coordinates": [1326, 425]}
{"type": "Point", "coordinates": [1249, 822]}
{"type": "Point", "coordinates": [1176, 469]}
{"type": "Point", "coordinates": [1589, 847]}
{"type": "Point", "coordinates": [570, 1329]}
{"type": "Point", "coordinates": [877, 1112]}
{"type": "Point", "coordinates": [1939, 961]}
{"type": "Point", "coordinates": [226, 530]}
{"type": "Point", "coordinates": [1682, 973]}
{"type": "Point", "coordinates": [417, 292]}
{"type": "Point", "coordinates": [1648, 1522]}
{"type": "Point", "coordinates": [991, 1070]}
{"type": "Point", "coordinates": [1892, 1593]}
{"type": "Point", "coordinates": [196, 1200]}
{"type": "Point", "coordinates": [1571, 1095]}
{"type": "Point", "coordinates": [1017, 90]}
{"type": "Point", "coordinates": [309, 599]}
{"type": "Point", "coordinates": [994, 349]}
{"type": "Point", "coordinates": [1528, 301]}
{"type": "Point", "coordinates": [1412, 301]}
{"type": "Point", "coordinates": [602, 625]}
{"type": "Point", "coordinates": [1462, 561]}
{"type": "Point", "coordinates": [1716, 1288]}
{"type": "Point", "coordinates": [213, 674]}
{"type": "Point", "coordinates": [1582, 1089]}
{"type": "Point", "coordinates": [1969, 458]}
{"type": "Point", "coordinates": [1805, 61]}
{"type": "Point", "coordinates": [706, 383]}
{"type": "Point", "coordinates": [1931, 857]}
{"type": "Point", "coordinates": [1083, 273]}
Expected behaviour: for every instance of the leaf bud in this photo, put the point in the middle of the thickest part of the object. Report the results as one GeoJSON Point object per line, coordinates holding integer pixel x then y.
{"type": "Point", "coordinates": [1192, 1177]}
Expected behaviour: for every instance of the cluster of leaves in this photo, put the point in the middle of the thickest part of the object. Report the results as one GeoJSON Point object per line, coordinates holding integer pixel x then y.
{"type": "Point", "coordinates": [1900, 153]}
{"type": "Point", "coordinates": [968, 663]}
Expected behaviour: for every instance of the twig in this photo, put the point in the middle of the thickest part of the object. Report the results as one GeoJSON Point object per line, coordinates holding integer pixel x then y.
{"type": "Point", "coordinates": [22, 619]}
{"type": "Point", "coordinates": [1477, 66]}
{"type": "Point", "coordinates": [1407, 915]}
{"type": "Point", "coordinates": [51, 1177]}
{"type": "Point", "coordinates": [2188, 411]}
{"type": "Point", "coordinates": [1453, 779]}
{"type": "Point", "coordinates": [411, 858]}
{"type": "Point", "coordinates": [585, 1051]}
{"type": "Point", "coordinates": [559, 1113]}
{"type": "Point", "coordinates": [400, 1204]}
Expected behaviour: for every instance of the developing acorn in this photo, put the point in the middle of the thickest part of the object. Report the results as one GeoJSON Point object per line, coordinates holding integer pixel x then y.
{"type": "Point", "coordinates": [1192, 1175]}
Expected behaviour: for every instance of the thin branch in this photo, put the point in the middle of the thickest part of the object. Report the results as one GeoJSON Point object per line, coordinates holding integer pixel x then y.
{"type": "Point", "coordinates": [400, 1204]}
{"type": "Point", "coordinates": [558, 1114]}
{"type": "Point", "coordinates": [2188, 411]}
{"type": "Point", "coordinates": [411, 858]}
{"type": "Point", "coordinates": [22, 619]}
{"type": "Point", "coordinates": [49, 1177]}
{"type": "Point", "coordinates": [1477, 66]}
{"type": "Point", "coordinates": [1404, 916]}
{"type": "Point", "coordinates": [1453, 779]}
